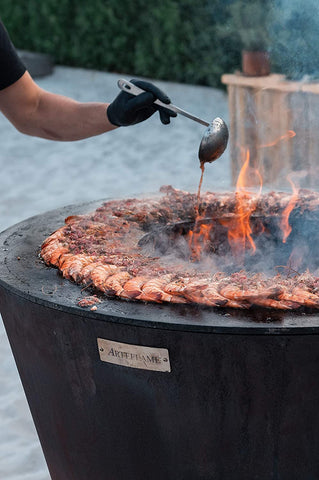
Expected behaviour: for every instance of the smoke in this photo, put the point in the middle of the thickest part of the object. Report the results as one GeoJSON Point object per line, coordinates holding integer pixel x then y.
{"type": "Point", "coordinates": [299, 252]}
{"type": "Point", "coordinates": [294, 38]}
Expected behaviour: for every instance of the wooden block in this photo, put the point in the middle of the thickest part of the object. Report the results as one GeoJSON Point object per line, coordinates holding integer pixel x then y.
{"type": "Point", "coordinates": [263, 113]}
{"type": "Point", "coordinates": [311, 132]}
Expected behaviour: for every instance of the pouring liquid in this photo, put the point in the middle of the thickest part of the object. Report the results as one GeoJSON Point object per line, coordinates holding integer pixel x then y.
{"type": "Point", "coordinates": [194, 255]}
{"type": "Point", "coordinates": [202, 167]}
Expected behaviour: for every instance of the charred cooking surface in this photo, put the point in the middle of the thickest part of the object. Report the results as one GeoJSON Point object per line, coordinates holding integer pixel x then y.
{"type": "Point", "coordinates": [140, 250]}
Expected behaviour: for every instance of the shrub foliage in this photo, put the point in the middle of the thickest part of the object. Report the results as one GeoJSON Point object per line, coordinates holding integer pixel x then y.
{"type": "Point", "coordinates": [191, 41]}
{"type": "Point", "coordinates": [177, 40]}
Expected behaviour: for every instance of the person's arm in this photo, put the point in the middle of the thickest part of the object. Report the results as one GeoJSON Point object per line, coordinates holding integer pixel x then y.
{"type": "Point", "coordinates": [34, 111]}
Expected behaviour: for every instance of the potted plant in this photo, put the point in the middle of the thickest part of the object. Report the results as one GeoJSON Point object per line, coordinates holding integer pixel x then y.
{"type": "Point", "coordinates": [249, 22]}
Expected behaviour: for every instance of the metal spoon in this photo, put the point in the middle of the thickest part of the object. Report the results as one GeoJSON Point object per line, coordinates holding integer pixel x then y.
{"type": "Point", "coordinates": [214, 141]}
{"type": "Point", "coordinates": [215, 138]}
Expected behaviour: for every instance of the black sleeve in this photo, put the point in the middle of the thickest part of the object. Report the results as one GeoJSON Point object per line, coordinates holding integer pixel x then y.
{"type": "Point", "coordinates": [11, 67]}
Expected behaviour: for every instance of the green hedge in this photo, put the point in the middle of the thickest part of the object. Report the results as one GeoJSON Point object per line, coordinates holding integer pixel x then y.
{"type": "Point", "coordinates": [167, 39]}
{"type": "Point", "coordinates": [192, 41]}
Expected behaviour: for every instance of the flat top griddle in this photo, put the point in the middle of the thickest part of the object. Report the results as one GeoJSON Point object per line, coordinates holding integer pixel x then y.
{"type": "Point", "coordinates": [24, 273]}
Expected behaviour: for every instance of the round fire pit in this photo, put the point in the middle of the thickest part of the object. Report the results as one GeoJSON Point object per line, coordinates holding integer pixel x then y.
{"type": "Point", "coordinates": [134, 390]}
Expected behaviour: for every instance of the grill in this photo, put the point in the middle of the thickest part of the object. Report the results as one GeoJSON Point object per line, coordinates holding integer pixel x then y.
{"type": "Point", "coordinates": [237, 397]}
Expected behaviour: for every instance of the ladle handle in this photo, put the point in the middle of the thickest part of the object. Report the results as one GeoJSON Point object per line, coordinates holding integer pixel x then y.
{"type": "Point", "coordinates": [134, 90]}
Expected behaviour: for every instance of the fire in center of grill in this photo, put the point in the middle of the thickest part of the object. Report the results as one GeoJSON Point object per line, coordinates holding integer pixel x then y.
{"type": "Point", "coordinates": [170, 249]}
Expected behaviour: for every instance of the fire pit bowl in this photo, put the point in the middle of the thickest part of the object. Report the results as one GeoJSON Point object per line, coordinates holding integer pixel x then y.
{"type": "Point", "coordinates": [180, 392]}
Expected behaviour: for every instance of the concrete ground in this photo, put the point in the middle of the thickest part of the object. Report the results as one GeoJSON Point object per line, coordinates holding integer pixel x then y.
{"type": "Point", "coordinates": [38, 175]}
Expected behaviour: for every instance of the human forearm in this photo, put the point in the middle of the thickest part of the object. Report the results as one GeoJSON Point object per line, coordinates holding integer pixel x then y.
{"type": "Point", "coordinates": [63, 119]}
{"type": "Point", "coordinates": [34, 111]}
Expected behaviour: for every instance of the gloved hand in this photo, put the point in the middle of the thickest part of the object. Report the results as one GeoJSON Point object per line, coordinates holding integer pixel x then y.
{"type": "Point", "coordinates": [128, 109]}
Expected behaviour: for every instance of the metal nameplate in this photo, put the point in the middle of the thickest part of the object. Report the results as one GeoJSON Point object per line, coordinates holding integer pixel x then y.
{"type": "Point", "coordinates": [134, 356]}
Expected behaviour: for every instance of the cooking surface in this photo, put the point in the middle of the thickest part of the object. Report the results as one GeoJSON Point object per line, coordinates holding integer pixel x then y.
{"type": "Point", "coordinates": [22, 271]}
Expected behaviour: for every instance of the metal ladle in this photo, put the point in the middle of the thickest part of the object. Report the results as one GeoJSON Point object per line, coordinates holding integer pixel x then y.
{"type": "Point", "coordinates": [215, 138]}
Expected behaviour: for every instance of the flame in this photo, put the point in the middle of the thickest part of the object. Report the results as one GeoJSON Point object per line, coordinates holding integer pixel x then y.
{"type": "Point", "coordinates": [198, 239]}
{"type": "Point", "coordinates": [239, 231]}
{"type": "Point", "coordinates": [284, 223]}
{"type": "Point", "coordinates": [239, 228]}
{"type": "Point", "coordinates": [289, 134]}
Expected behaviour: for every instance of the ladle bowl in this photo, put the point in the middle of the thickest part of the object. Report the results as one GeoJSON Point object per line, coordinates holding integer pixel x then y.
{"type": "Point", "coordinates": [214, 141]}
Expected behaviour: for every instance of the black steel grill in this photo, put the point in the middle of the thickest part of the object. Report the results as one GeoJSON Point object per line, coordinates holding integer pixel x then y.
{"type": "Point", "coordinates": [240, 401]}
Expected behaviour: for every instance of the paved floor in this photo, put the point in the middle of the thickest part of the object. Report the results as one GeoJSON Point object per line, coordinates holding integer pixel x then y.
{"type": "Point", "coordinates": [39, 175]}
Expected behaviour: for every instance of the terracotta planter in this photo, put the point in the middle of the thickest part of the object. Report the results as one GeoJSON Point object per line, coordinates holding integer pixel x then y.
{"type": "Point", "coordinates": [255, 63]}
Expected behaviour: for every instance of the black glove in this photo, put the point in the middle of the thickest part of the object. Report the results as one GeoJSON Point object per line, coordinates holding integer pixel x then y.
{"type": "Point", "coordinates": [128, 109]}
